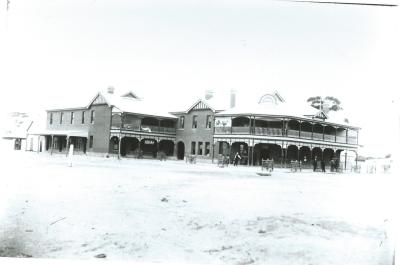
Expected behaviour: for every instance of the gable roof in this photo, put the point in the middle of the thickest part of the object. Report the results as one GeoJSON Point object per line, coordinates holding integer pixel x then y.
{"type": "Point", "coordinates": [200, 104]}
{"type": "Point", "coordinates": [130, 103]}
{"type": "Point", "coordinates": [130, 94]}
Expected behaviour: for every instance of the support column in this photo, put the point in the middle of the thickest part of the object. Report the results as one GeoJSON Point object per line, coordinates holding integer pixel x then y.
{"type": "Point", "coordinates": [52, 144]}
{"type": "Point", "coordinates": [335, 133]}
{"type": "Point", "coordinates": [67, 145]}
{"type": "Point", "coordinates": [157, 146]}
{"type": "Point", "coordinates": [299, 129]}
{"type": "Point", "coordinates": [212, 152]}
{"type": "Point", "coordinates": [175, 150]}
{"type": "Point", "coordinates": [248, 154]}
{"type": "Point", "coordinates": [230, 146]}
{"type": "Point", "coordinates": [119, 146]}
{"type": "Point", "coordinates": [312, 131]}
{"type": "Point", "coordinates": [345, 160]}
{"type": "Point", "coordinates": [38, 146]}
{"type": "Point", "coordinates": [298, 153]}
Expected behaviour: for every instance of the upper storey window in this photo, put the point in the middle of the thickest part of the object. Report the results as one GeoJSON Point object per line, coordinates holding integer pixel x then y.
{"type": "Point", "coordinates": [92, 114]}
{"type": "Point", "coordinates": [194, 122]}
{"type": "Point", "coordinates": [208, 121]}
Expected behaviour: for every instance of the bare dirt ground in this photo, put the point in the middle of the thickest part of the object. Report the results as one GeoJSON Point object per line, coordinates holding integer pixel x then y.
{"type": "Point", "coordinates": [153, 211]}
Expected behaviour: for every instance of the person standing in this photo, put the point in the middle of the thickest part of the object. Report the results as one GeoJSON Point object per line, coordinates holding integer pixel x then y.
{"type": "Point", "coordinates": [236, 159]}
{"type": "Point", "coordinates": [315, 164]}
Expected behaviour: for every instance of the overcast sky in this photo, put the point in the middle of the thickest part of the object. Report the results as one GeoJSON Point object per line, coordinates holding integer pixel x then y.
{"type": "Point", "coordinates": [64, 51]}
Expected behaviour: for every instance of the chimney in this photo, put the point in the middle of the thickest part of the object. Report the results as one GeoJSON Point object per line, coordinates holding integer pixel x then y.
{"type": "Point", "coordinates": [110, 90]}
{"type": "Point", "coordinates": [208, 94]}
{"type": "Point", "coordinates": [233, 98]}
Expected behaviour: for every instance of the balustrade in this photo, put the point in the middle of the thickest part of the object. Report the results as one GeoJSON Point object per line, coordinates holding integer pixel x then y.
{"type": "Point", "coordinates": [244, 130]}
{"type": "Point", "coordinates": [222, 130]}
{"type": "Point", "coordinates": [292, 133]}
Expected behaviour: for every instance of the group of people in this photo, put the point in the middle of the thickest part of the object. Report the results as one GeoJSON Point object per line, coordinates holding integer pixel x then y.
{"type": "Point", "coordinates": [334, 164]}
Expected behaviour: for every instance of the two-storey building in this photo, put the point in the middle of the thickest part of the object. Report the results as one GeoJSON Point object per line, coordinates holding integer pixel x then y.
{"type": "Point", "coordinates": [112, 124]}
{"type": "Point", "coordinates": [268, 129]}
{"type": "Point", "coordinates": [274, 129]}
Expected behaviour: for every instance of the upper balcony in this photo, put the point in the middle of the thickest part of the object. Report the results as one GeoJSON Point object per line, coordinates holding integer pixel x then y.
{"type": "Point", "coordinates": [291, 128]}
{"type": "Point", "coordinates": [147, 124]}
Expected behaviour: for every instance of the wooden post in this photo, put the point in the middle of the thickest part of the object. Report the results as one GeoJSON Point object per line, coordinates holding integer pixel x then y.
{"type": "Point", "coordinates": [335, 133]}
{"type": "Point", "coordinates": [299, 129]}
{"type": "Point", "coordinates": [298, 153]}
{"type": "Point", "coordinates": [52, 144]}
{"type": "Point", "coordinates": [119, 146]}
{"type": "Point", "coordinates": [248, 155]}
{"type": "Point", "coordinates": [312, 131]}
{"type": "Point", "coordinates": [38, 146]}
{"type": "Point", "coordinates": [252, 154]}
{"type": "Point", "coordinates": [229, 155]}
{"type": "Point", "coordinates": [67, 147]}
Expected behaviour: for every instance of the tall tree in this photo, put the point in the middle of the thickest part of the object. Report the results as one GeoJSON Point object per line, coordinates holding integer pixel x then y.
{"type": "Point", "coordinates": [326, 104]}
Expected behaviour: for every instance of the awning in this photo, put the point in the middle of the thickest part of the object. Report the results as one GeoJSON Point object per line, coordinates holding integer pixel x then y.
{"type": "Point", "coordinates": [62, 133]}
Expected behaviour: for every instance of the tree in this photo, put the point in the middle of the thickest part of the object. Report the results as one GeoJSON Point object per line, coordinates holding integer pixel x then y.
{"type": "Point", "coordinates": [327, 104]}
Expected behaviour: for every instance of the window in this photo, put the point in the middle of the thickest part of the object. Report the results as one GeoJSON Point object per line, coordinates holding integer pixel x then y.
{"type": "Point", "coordinates": [194, 122]}
{"type": "Point", "coordinates": [209, 121]}
{"type": "Point", "coordinates": [91, 141]}
{"type": "Point", "coordinates": [193, 148]}
{"type": "Point", "coordinates": [200, 149]}
{"type": "Point", "coordinates": [51, 117]}
{"type": "Point", "coordinates": [61, 117]}
{"type": "Point", "coordinates": [182, 122]}
{"type": "Point", "coordinates": [83, 117]}
{"type": "Point", "coordinates": [72, 117]}
{"type": "Point", "coordinates": [92, 116]}
{"type": "Point", "coordinates": [207, 148]}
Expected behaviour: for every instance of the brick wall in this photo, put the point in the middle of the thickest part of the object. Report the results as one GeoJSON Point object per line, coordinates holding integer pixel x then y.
{"type": "Point", "coordinates": [99, 129]}
{"type": "Point", "coordinates": [201, 134]}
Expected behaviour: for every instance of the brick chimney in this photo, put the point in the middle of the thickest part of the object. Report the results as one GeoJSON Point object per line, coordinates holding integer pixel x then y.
{"type": "Point", "coordinates": [208, 94]}
{"type": "Point", "coordinates": [233, 98]}
{"type": "Point", "coordinates": [110, 90]}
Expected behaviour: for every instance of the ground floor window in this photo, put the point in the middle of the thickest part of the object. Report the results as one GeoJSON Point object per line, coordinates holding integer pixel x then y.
{"type": "Point", "coordinates": [207, 148]}
{"type": "Point", "coordinates": [200, 149]}
{"type": "Point", "coordinates": [91, 141]}
{"type": "Point", "coordinates": [193, 150]}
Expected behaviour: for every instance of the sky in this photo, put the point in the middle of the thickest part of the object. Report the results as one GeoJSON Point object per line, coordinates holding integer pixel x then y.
{"type": "Point", "coordinates": [62, 52]}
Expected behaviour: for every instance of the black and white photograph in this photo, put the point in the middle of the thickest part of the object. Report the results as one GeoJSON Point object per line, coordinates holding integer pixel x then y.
{"type": "Point", "coordinates": [199, 132]}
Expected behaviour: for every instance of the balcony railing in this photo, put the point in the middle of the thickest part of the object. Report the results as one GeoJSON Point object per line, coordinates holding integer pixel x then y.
{"type": "Point", "coordinates": [317, 136]}
{"type": "Point", "coordinates": [306, 135]}
{"type": "Point", "coordinates": [244, 130]}
{"type": "Point", "coordinates": [290, 133]}
{"type": "Point", "coordinates": [329, 137]}
{"type": "Point", "coordinates": [352, 140]}
{"type": "Point", "coordinates": [222, 130]}
{"type": "Point", "coordinates": [293, 133]}
{"type": "Point", "coordinates": [341, 139]}
{"type": "Point", "coordinates": [147, 128]}
{"type": "Point", "coordinates": [268, 131]}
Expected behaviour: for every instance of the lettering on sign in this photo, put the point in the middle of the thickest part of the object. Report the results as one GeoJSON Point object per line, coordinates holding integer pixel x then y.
{"type": "Point", "coordinates": [148, 141]}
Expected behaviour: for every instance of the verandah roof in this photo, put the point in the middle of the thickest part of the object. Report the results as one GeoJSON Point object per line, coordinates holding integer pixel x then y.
{"type": "Point", "coordinates": [62, 133]}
